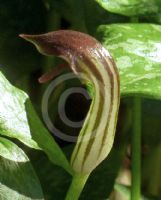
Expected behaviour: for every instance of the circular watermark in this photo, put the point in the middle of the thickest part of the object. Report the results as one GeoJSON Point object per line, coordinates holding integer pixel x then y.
{"type": "Point", "coordinates": [61, 106]}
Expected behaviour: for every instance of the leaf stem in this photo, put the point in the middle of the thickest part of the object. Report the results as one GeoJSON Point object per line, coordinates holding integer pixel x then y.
{"type": "Point", "coordinates": [76, 186]}
{"type": "Point", "coordinates": [136, 150]}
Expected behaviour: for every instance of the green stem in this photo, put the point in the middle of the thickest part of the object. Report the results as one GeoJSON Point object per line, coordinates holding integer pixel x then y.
{"type": "Point", "coordinates": [76, 186]}
{"type": "Point", "coordinates": [136, 150]}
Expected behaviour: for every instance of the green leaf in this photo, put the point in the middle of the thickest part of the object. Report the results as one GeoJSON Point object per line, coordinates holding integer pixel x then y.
{"type": "Point", "coordinates": [14, 123]}
{"type": "Point", "coordinates": [10, 151]}
{"type": "Point", "coordinates": [54, 180]}
{"type": "Point", "coordinates": [18, 180]}
{"type": "Point", "coordinates": [13, 119]}
{"type": "Point", "coordinates": [136, 51]}
{"type": "Point", "coordinates": [130, 7]}
{"type": "Point", "coordinates": [45, 140]}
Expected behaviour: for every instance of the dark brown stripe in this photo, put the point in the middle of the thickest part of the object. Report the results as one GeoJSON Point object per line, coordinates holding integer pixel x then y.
{"type": "Point", "coordinates": [107, 126]}
{"type": "Point", "coordinates": [94, 71]}
{"type": "Point", "coordinates": [91, 141]}
{"type": "Point", "coordinates": [109, 73]}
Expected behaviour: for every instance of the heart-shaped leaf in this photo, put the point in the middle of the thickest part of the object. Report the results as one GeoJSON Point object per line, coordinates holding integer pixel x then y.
{"type": "Point", "coordinates": [18, 180]}
{"type": "Point", "coordinates": [130, 7]}
{"type": "Point", "coordinates": [14, 123]}
{"type": "Point", "coordinates": [13, 119]}
{"type": "Point", "coordinates": [136, 51]}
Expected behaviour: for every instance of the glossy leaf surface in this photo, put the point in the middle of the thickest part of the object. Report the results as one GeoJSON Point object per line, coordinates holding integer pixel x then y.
{"type": "Point", "coordinates": [14, 123]}
{"type": "Point", "coordinates": [18, 180]}
{"type": "Point", "coordinates": [130, 7]}
{"type": "Point", "coordinates": [136, 49]}
{"type": "Point", "coordinates": [13, 119]}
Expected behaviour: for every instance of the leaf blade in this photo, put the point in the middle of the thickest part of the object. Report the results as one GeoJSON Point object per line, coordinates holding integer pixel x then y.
{"type": "Point", "coordinates": [13, 119]}
{"type": "Point", "coordinates": [18, 180]}
{"type": "Point", "coordinates": [130, 7]}
{"type": "Point", "coordinates": [136, 50]}
{"type": "Point", "coordinates": [45, 140]}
